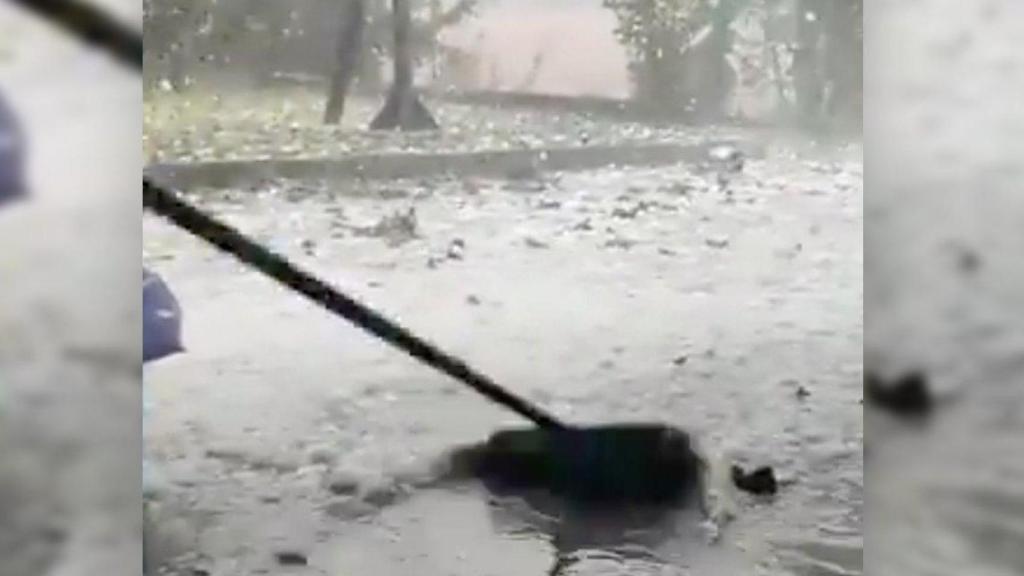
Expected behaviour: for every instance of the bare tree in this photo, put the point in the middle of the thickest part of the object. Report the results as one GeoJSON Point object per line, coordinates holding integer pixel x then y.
{"type": "Point", "coordinates": [350, 45]}
{"type": "Point", "coordinates": [403, 109]}
{"type": "Point", "coordinates": [531, 75]}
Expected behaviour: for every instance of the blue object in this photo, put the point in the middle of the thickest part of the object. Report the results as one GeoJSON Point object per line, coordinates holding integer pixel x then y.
{"type": "Point", "coordinates": [12, 156]}
{"type": "Point", "coordinates": [161, 319]}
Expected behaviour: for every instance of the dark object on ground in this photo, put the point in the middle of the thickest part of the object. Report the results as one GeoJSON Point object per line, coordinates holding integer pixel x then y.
{"type": "Point", "coordinates": [611, 464]}
{"type": "Point", "coordinates": [760, 482]}
{"type": "Point", "coordinates": [291, 558]}
{"type": "Point", "coordinates": [726, 158]}
{"type": "Point", "coordinates": [908, 396]}
{"type": "Point", "coordinates": [12, 156]}
{"type": "Point", "coordinates": [403, 109]}
{"type": "Point", "coordinates": [968, 261]}
{"type": "Point", "coordinates": [343, 485]}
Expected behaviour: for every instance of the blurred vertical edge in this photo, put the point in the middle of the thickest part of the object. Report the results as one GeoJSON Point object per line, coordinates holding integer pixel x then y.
{"type": "Point", "coordinates": [944, 289]}
{"type": "Point", "coordinates": [70, 307]}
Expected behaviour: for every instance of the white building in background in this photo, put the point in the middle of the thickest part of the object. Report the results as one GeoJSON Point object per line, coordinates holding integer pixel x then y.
{"type": "Point", "coordinates": [568, 47]}
{"type": "Point", "coordinates": [560, 47]}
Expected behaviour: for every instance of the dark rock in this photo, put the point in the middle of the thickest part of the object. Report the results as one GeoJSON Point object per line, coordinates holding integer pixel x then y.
{"type": "Point", "coordinates": [717, 242]}
{"type": "Point", "coordinates": [627, 213]}
{"type": "Point", "coordinates": [396, 228]}
{"type": "Point", "coordinates": [760, 482]}
{"type": "Point", "coordinates": [322, 455]}
{"type": "Point", "coordinates": [472, 300]}
{"type": "Point", "coordinates": [726, 158]}
{"type": "Point", "coordinates": [908, 396]}
{"type": "Point", "coordinates": [680, 189]}
{"type": "Point", "coordinates": [680, 360]}
{"type": "Point", "coordinates": [291, 558]}
{"type": "Point", "coordinates": [583, 226]}
{"type": "Point", "coordinates": [620, 243]}
{"type": "Point", "coordinates": [342, 484]}
{"type": "Point", "coordinates": [802, 392]}
{"type": "Point", "coordinates": [534, 243]}
{"type": "Point", "coordinates": [392, 193]}
{"type": "Point", "coordinates": [456, 249]}
{"type": "Point", "coordinates": [968, 261]}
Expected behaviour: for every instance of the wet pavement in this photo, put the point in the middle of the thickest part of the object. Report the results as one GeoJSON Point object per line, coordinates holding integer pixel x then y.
{"type": "Point", "coordinates": [731, 310]}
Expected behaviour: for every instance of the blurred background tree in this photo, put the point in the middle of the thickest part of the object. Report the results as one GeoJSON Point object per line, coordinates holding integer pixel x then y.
{"type": "Point", "coordinates": [256, 41]}
{"type": "Point", "coordinates": [656, 34]}
{"type": "Point", "coordinates": [672, 44]}
{"type": "Point", "coordinates": [683, 54]}
{"type": "Point", "coordinates": [828, 59]}
{"type": "Point", "coordinates": [686, 58]}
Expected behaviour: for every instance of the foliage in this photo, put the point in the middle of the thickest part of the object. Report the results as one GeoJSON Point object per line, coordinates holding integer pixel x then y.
{"type": "Point", "coordinates": [251, 31]}
{"type": "Point", "coordinates": [661, 37]}
{"type": "Point", "coordinates": [700, 51]}
{"type": "Point", "coordinates": [655, 34]}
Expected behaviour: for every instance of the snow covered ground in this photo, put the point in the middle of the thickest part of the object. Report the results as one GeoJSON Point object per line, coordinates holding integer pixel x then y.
{"type": "Point", "coordinates": [638, 294]}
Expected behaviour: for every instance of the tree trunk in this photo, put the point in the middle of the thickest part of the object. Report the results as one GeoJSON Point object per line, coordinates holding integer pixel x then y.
{"type": "Point", "coordinates": [403, 109]}
{"type": "Point", "coordinates": [350, 43]}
